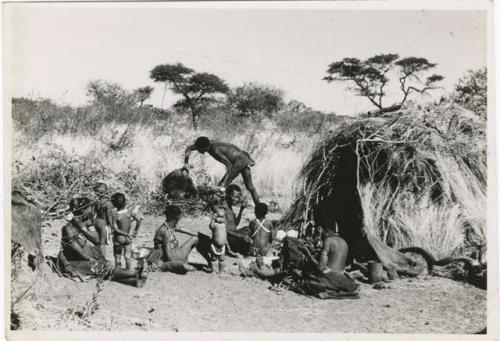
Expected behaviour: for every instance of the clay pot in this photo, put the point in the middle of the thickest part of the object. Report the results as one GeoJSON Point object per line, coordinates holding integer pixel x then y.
{"type": "Point", "coordinates": [376, 272]}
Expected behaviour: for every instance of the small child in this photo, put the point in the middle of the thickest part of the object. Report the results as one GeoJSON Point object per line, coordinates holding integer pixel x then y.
{"type": "Point", "coordinates": [104, 216]}
{"type": "Point", "coordinates": [261, 230]}
{"type": "Point", "coordinates": [122, 239]}
{"type": "Point", "coordinates": [219, 245]}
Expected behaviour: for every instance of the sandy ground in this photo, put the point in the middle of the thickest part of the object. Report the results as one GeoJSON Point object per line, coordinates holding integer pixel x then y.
{"type": "Point", "coordinates": [199, 301]}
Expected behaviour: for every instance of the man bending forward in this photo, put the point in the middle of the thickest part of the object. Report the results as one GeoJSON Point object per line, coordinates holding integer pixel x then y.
{"type": "Point", "coordinates": [236, 161]}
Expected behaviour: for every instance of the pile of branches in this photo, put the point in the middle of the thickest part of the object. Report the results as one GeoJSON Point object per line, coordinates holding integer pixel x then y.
{"type": "Point", "coordinates": [52, 179]}
{"type": "Point", "coordinates": [435, 155]}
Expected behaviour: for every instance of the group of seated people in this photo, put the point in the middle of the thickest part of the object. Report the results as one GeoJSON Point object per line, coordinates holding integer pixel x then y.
{"type": "Point", "coordinates": [87, 233]}
{"type": "Point", "coordinates": [92, 222]}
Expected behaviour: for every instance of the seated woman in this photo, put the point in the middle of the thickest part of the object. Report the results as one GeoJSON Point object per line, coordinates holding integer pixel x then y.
{"type": "Point", "coordinates": [80, 256]}
{"type": "Point", "coordinates": [167, 254]}
{"type": "Point", "coordinates": [333, 255]}
{"type": "Point", "coordinates": [330, 263]}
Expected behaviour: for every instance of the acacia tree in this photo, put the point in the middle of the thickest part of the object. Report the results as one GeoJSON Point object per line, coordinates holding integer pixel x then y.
{"type": "Point", "coordinates": [370, 77]}
{"type": "Point", "coordinates": [410, 70]}
{"type": "Point", "coordinates": [197, 89]}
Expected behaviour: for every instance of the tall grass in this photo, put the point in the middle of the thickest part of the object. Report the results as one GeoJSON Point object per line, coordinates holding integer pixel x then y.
{"type": "Point", "coordinates": [470, 194]}
{"type": "Point", "coordinates": [134, 159]}
{"type": "Point", "coordinates": [404, 220]}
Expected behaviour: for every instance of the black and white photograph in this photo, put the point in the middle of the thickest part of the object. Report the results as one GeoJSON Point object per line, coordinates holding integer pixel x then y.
{"type": "Point", "coordinates": [250, 167]}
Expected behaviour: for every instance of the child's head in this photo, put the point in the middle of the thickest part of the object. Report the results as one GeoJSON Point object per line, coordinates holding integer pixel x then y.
{"type": "Point", "coordinates": [172, 213]}
{"type": "Point", "coordinates": [100, 188]}
{"type": "Point", "coordinates": [261, 210]}
{"type": "Point", "coordinates": [219, 214]}
{"type": "Point", "coordinates": [219, 211]}
{"type": "Point", "coordinates": [118, 200]}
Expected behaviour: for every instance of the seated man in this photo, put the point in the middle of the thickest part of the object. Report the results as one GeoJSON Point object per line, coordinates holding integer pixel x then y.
{"type": "Point", "coordinates": [238, 240]}
{"type": "Point", "coordinates": [80, 255]}
{"type": "Point", "coordinates": [167, 254]}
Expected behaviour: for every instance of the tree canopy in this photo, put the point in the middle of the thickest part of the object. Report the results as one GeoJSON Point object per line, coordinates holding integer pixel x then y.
{"type": "Point", "coordinates": [369, 78]}
{"type": "Point", "coordinates": [109, 95]}
{"type": "Point", "coordinates": [252, 99]}
{"type": "Point", "coordinates": [196, 89]}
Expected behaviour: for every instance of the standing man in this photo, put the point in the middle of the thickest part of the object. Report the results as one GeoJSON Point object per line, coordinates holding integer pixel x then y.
{"type": "Point", "coordinates": [236, 161]}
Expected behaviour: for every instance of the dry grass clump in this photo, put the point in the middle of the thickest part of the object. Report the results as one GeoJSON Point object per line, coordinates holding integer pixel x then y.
{"type": "Point", "coordinates": [417, 176]}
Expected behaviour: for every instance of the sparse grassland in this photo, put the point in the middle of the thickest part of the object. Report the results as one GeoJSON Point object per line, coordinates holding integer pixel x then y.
{"type": "Point", "coordinates": [133, 157]}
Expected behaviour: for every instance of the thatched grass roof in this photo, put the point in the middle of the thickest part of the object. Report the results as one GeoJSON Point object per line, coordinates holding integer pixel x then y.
{"type": "Point", "coordinates": [369, 167]}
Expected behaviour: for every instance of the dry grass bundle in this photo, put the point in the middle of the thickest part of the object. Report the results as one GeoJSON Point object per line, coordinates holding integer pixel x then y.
{"type": "Point", "coordinates": [417, 176]}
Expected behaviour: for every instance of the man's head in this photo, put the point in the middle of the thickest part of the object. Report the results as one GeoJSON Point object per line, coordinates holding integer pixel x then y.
{"type": "Point", "coordinates": [325, 233]}
{"type": "Point", "coordinates": [100, 188]}
{"type": "Point", "coordinates": [173, 213]}
{"type": "Point", "coordinates": [118, 200]}
{"type": "Point", "coordinates": [202, 143]}
{"type": "Point", "coordinates": [233, 194]}
{"type": "Point", "coordinates": [261, 210]}
{"type": "Point", "coordinates": [81, 207]}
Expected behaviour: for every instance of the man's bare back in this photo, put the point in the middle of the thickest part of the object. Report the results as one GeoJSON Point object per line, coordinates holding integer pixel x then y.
{"type": "Point", "coordinates": [335, 249]}
{"type": "Point", "coordinates": [236, 161]}
{"type": "Point", "coordinates": [225, 153]}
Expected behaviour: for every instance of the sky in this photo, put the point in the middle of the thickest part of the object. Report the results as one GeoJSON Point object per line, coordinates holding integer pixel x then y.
{"type": "Point", "coordinates": [57, 50]}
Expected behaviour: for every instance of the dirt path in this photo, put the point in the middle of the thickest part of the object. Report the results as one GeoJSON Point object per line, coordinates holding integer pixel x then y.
{"type": "Point", "coordinates": [200, 301]}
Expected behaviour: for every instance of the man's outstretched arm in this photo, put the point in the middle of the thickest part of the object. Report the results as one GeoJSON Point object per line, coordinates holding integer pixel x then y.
{"type": "Point", "coordinates": [207, 190]}
{"type": "Point", "coordinates": [241, 236]}
{"type": "Point", "coordinates": [185, 231]}
{"type": "Point", "coordinates": [188, 151]}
